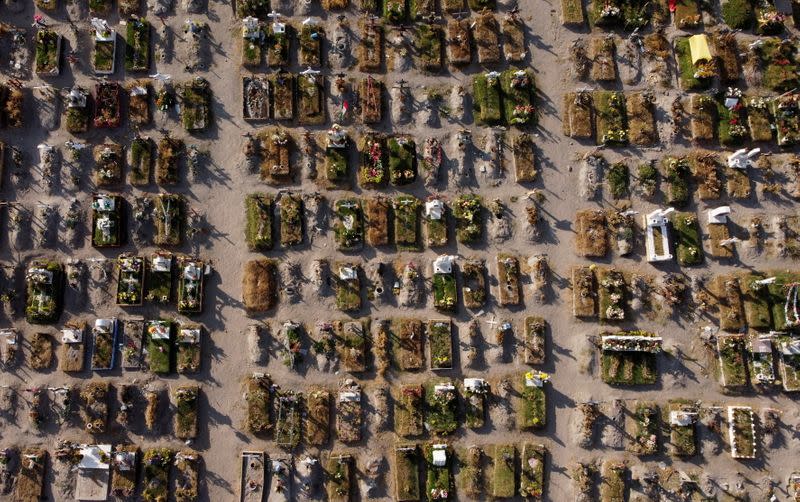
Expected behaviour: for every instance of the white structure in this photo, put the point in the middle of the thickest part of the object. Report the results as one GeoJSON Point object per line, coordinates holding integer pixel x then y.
{"type": "Point", "coordinates": [474, 384]}
{"type": "Point", "coordinates": [742, 159]}
{"type": "Point", "coordinates": [719, 216]}
{"type": "Point", "coordinates": [103, 34]}
{"type": "Point", "coordinates": [71, 335]}
{"type": "Point", "coordinates": [158, 330]}
{"type": "Point", "coordinates": [94, 472]}
{"type": "Point", "coordinates": [439, 455]}
{"type": "Point", "coordinates": [161, 263]}
{"type": "Point", "coordinates": [443, 264]}
{"type": "Point", "coordinates": [657, 246]}
{"type": "Point", "coordinates": [434, 209]}
{"type": "Point", "coordinates": [682, 418]}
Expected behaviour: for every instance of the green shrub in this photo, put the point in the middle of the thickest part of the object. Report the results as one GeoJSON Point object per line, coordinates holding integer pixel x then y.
{"type": "Point", "coordinates": [738, 14]}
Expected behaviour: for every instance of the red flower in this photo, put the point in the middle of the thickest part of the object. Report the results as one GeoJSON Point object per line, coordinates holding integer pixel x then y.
{"type": "Point", "coordinates": [734, 121]}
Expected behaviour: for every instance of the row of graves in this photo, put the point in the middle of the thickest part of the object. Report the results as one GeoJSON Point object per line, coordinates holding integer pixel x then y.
{"type": "Point", "coordinates": [139, 279]}
{"type": "Point", "coordinates": [676, 427]}
{"type": "Point", "coordinates": [380, 160]}
{"type": "Point", "coordinates": [417, 471]}
{"type": "Point", "coordinates": [434, 42]}
{"type": "Point", "coordinates": [432, 407]}
{"type": "Point", "coordinates": [760, 18]}
{"type": "Point", "coordinates": [103, 470]}
{"type": "Point", "coordinates": [670, 233]}
{"type": "Point", "coordinates": [346, 282]}
{"type": "Point", "coordinates": [161, 347]}
{"type": "Point", "coordinates": [146, 409]}
{"type": "Point", "coordinates": [756, 311]}
{"type": "Point", "coordinates": [396, 345]}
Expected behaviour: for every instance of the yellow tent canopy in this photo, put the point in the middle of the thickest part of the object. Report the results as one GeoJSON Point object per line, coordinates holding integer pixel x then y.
{"type": "Point", "coordinates": [698, 48]}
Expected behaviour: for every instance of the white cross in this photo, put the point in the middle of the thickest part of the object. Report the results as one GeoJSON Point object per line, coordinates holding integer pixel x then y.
{"type": "Point", "coordinates": [492, 322]}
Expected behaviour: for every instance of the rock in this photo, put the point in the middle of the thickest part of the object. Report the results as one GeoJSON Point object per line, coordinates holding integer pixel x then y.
{"type": "Point", "coordinates": [256, 349]}
{"type": "Point", "coordinates": [46, 105]}
{"type": "Point", "coordinates": [590, 177]}
{"type": "Point", "coordinates": [194, 6]}
{"type": "Point", "coordinates": [159, 7]}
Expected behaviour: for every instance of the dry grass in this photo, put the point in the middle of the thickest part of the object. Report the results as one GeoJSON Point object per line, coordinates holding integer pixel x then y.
{"type": "Point", "coordinates": [376, 218]}
{"type": "Point", "coordinates": [30, 482]}
{"type": "Point", "coordinates": [514, 39]}
{"type": "Point", "coordinates": [459, 42]}
{"type": "Point", "coordinates": [726, 51]}
{"type": "Point", "coordinates": [729, 301]}
{"type": "Point", "coordinates": [487, 38]}
{"type": "Point", "coordinates": [41, 351]}
{"type": "Point", "coordinates": [641, 122]}
{"type": "Point", "coordinates": [524, 159]}
{"type": "Point", "coordinates": [259, 285]}
{"type": "Point", "coordinates": [707, 175]}
{"type": "Point", "coordinates": [407, 344]}
{"type": "Point", "coordinates": [584, 303]}
{"type": "Point", "coordinates": [317, 422]}
{"type": "Point", "coordinates": [578, 115]}
{"type": "Point", "coordinates": [370, 50]}
{"type": "Point", "coordinates": [276, 153]}
{"type": "Point", "coordinates": [11, 100]}
{"type": "Point", "coordinates": [601, 53]}
{"type": "Point", "coordinates": [139, 105]}
{"type": "Point", "coordinates": [716, 233]}
{"type": "Point", "coordinates": [371, 92]}
{"type": "Point", "coordinates": [703, 117]}
{"type": "Point", "coordinates": [592, 234]}
{"type": "Point", "coordinates": [738, 183]}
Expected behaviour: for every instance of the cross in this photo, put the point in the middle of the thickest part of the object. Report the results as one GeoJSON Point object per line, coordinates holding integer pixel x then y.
{"type": "Point", "coordinates": [492, 322]}
{"type": "Point", "coordinates": [274, 15]}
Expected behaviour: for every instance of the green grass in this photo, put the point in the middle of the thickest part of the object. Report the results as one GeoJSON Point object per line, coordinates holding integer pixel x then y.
{"type": "Point", "coordinates": [291, 214]}
{"type": "Point", "coordinates": [141, 161]}
{"type": "Point", "coordinates": [756, 302]}
{"type": "Point", "coordinates": [445, 295]}
{"type": "Point", "coordinates": [349, 239]}
{"type": "Point", "coordinates": [531, 483]}
{"type": "Point", "coordinates": [486, 100]}
{"type": "Point", "coordinates": [725, 117]}
{"type": "Point", "coordinates": [467, 210]}
{"type": "Point", "coordinates": [406, 222]}
{"type": "Point", "coordinates": [504, 472]}
{"type": "Point", "coordinates": [611, 118]}
{"type": "Point", "coordinates": [688, 245]}
{"type": "Point", "coordinates": [738, 14]}
{"type": "Point", "coordinates": [137, 48]}
{"type": "Point", "coordinates": [731, 354]}
{"type": "Point", "coordinates": [159, 286]}
{"type": "Point", "coordinates": [438, 478]}
{"type": "Point", "coordinates": [340, 475]}
{"type": "Point", "coordinates": [677, 172]}
{"type": "Point", "coordinates": [407, 473]}
{"type": "Point", "coordinates": [778, 77]}
{"type": "Point", "coordinates": [441, 410]}
{"type": "Point", "coordinates": [777, 295]}
{"type": "Point", "coordinates": [402, 161]}
{"type": "Point", "coordinates": [160, 352]}
{"type": "Point", "coordinates": [440, 336]}
{"type": "Point", "coordinates": [686, 69]}
{"type": "Point", "coordinates": [258, 229]}
{"type": "Point", "coordinates": [533, 412]}
{"type": "Point", "coordinates": [186, 398]}
{"type": "Point", "coordinates": [336, 164]}
{"type": "Point", "coordinates": [618, 179]}
{"type": "Point", "coordinates": [518, 101]}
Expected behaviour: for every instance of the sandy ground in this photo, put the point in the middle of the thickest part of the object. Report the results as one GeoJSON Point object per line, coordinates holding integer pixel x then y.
{"type": "Point", "coordinates": [217, 194]}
